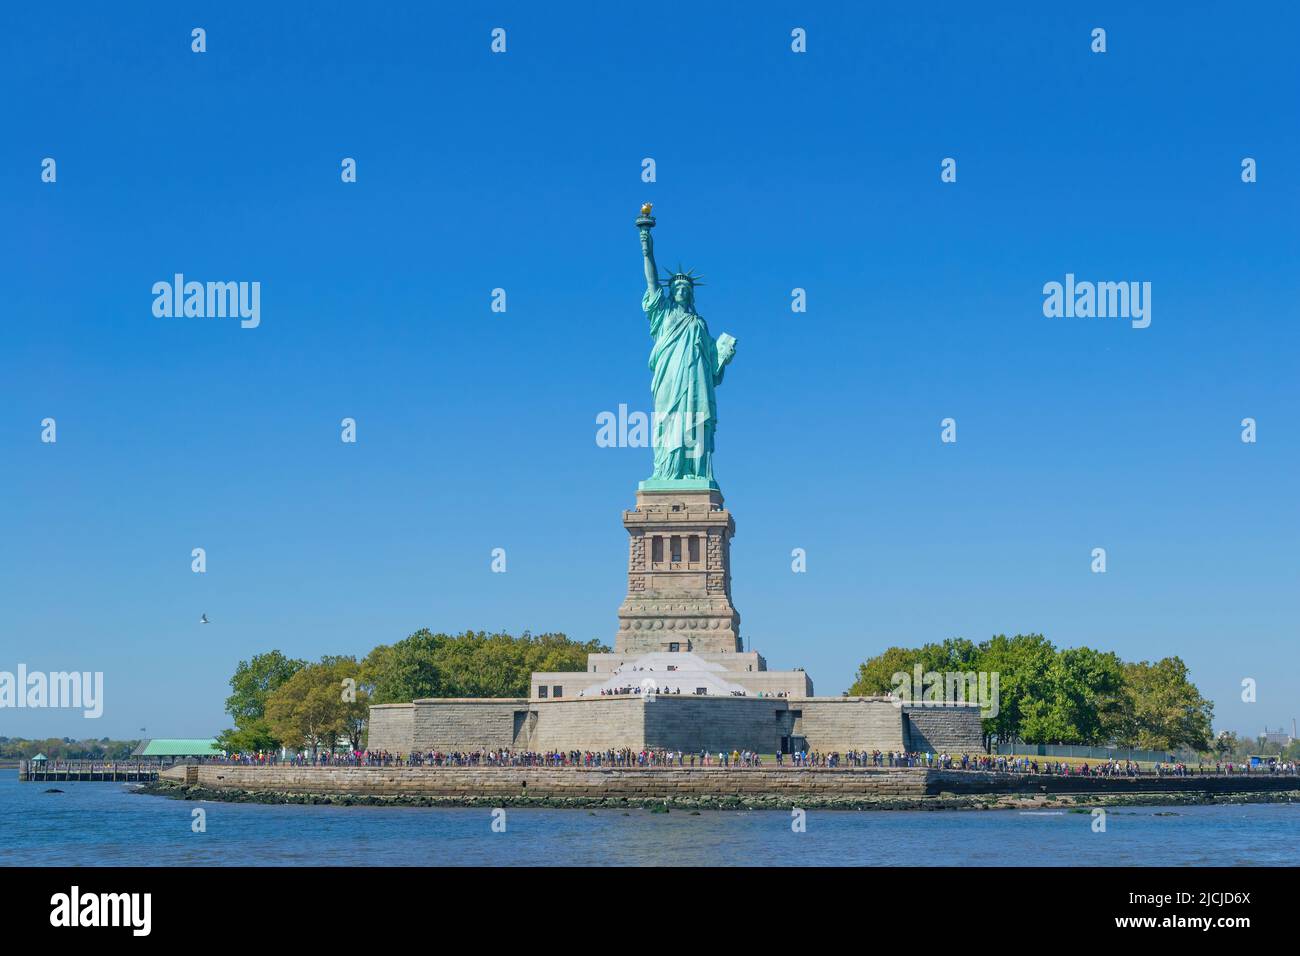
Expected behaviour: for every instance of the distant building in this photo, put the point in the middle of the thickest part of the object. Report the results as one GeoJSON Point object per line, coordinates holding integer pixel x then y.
{"type": "Point", "coordinates": [1279, 737]}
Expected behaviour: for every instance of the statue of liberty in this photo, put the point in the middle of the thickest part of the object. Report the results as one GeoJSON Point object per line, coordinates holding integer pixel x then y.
{"type": "Point", "coordinates": [686, 365]}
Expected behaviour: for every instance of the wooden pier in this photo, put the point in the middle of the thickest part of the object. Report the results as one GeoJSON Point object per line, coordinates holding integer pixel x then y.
{"type": "Point", "coordinates": [97, 771]}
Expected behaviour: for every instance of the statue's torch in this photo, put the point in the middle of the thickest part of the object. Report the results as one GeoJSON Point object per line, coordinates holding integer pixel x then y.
{"type": "Point", "coordinates": [645, 221]}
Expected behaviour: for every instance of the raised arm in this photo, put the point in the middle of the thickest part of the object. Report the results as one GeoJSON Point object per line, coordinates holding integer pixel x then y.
{"type": "Point", "coordinates": [648, 252]}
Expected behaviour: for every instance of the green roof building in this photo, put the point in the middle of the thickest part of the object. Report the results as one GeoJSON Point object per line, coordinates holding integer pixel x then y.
{"type": "Point", "coordinates": [177, 747]}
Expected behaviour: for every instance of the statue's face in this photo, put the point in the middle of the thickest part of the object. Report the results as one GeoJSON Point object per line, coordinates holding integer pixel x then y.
{"type": "Point", "coordinates": [682, 293]}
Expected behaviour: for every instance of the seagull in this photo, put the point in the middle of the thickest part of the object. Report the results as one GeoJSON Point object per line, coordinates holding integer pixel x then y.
{"type": "Point", "coordinates": [203, 619]}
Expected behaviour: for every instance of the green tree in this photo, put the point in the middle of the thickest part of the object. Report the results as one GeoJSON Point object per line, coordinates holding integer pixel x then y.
{"type": "Point", "coordinates": [1023, 664]}
{"type": "Point", "coordinates": [1045, 695]}
{"type": "Point", "coordinates": [1085, 695]}
{"type": "Point", "coordinates": [404, 671]}
{"type": "Point", "coordinates": [1267, 748]}
{"type": "Point", "coordinates": [876, 676]}
{"type": "Point", "coordinates": [1163, 708]}
{"type": "Point", "coordinates": [255, 680]}
{"type": "Point", "coordinates": [1226, 744]}
{"type": "Point", "coordinates": [960, 655]}
{"type": "Point", "coordinates": [251, 685]}
{"type": "Point", "coordinates": [65, 748]}
{"type": "Point", "coordinates": [478, 664]}
{"type": "Point", "coordinates": [252, 737]}
{"type": "Point", "coordinates": [346, 673]}
{"type": "Point", "coordinates": [308, 710]}
{"type": "Point", "coordinates": [471, 664]}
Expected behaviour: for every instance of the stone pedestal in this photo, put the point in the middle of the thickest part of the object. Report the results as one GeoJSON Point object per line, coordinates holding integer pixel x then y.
{"type": "Point", "coordinates": [678, 575]}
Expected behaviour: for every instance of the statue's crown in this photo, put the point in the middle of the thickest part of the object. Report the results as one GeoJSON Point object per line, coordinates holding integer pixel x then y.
{"type": "Point", "coordinates": [688, 276]}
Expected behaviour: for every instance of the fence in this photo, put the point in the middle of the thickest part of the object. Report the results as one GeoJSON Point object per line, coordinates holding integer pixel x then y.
{"type": "Point", "coordinates": [53, 771]}
{"type": "Point", "coordinates": [1020, 749]}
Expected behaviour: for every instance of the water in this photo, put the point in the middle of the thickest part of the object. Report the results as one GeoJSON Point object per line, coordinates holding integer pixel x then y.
{"type": "Point", "coordinates": [107, 824]}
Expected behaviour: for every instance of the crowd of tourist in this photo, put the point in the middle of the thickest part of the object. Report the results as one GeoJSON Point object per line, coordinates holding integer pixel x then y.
{"type": "Point", "coordinates": [635, 690]}
{"type": "Point", "coordinates": [627, 757]}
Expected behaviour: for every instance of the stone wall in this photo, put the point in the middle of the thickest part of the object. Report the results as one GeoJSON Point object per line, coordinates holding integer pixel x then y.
{"type": "Point", "coordinates": [391, 728]}
{"type": "Point", "coordinates": [693, 723]}
{"type": "Point", "coordinates": [770, 683]}
{"type": "Point", "coordinates": [974, 783]}
{"type": "Point", "coordinates": [470, 723]}
{"type": "Point", "coordinates": [948, 728]}
{"type": "Point", "coordinates": [672, 722]}
{"type": "Point", "coordinates": [789, 783]}
{"type": "Point", "coordinates": [571, 683]}
{"type": "Point", "coordinates": [543, 782]}
{"type": "Point", "coordinates": [589, 723]}
{"type": "Point", "coordinates": [839, 724]}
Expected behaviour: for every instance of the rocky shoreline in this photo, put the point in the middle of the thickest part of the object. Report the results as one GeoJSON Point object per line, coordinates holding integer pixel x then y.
{"type": "Point", "coordinates": [1074, 802]}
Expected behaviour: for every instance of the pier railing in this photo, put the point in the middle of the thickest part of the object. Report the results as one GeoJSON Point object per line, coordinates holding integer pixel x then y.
{"type": "Point", "coordinates": [107, 771]}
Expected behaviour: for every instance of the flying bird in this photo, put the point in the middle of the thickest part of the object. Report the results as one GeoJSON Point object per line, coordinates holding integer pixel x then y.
{"type": "Point", "coordinates": [203, 619]}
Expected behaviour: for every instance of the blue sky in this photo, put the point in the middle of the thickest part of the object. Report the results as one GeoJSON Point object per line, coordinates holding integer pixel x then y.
{"type": "Point", "coordinates": [476, 429]}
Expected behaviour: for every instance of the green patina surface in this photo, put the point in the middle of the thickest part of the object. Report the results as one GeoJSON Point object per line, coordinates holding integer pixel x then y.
{"type": "Point", "coordinates": [678, 484]}
{"type": "Point", "coordinates": [686, 366]}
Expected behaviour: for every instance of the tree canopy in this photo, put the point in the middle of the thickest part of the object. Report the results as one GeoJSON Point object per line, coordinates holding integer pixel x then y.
{"type": "Point", "coordinates": [251, 686]}
{"type": "Point", "coordinates": [471, 664]}
{"type": "Point", "coordinates": [279, 701]}
{"type": "Point", "coordinates": [319, 704]}
{"type": "Point", "coordinates": [1070, 695]}
{"type": "Point", "coordinates": [65, 748]}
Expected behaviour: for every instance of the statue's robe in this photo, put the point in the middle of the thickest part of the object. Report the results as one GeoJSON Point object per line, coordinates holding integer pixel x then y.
{"type": "Point", "coordinates": [684, 367]}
